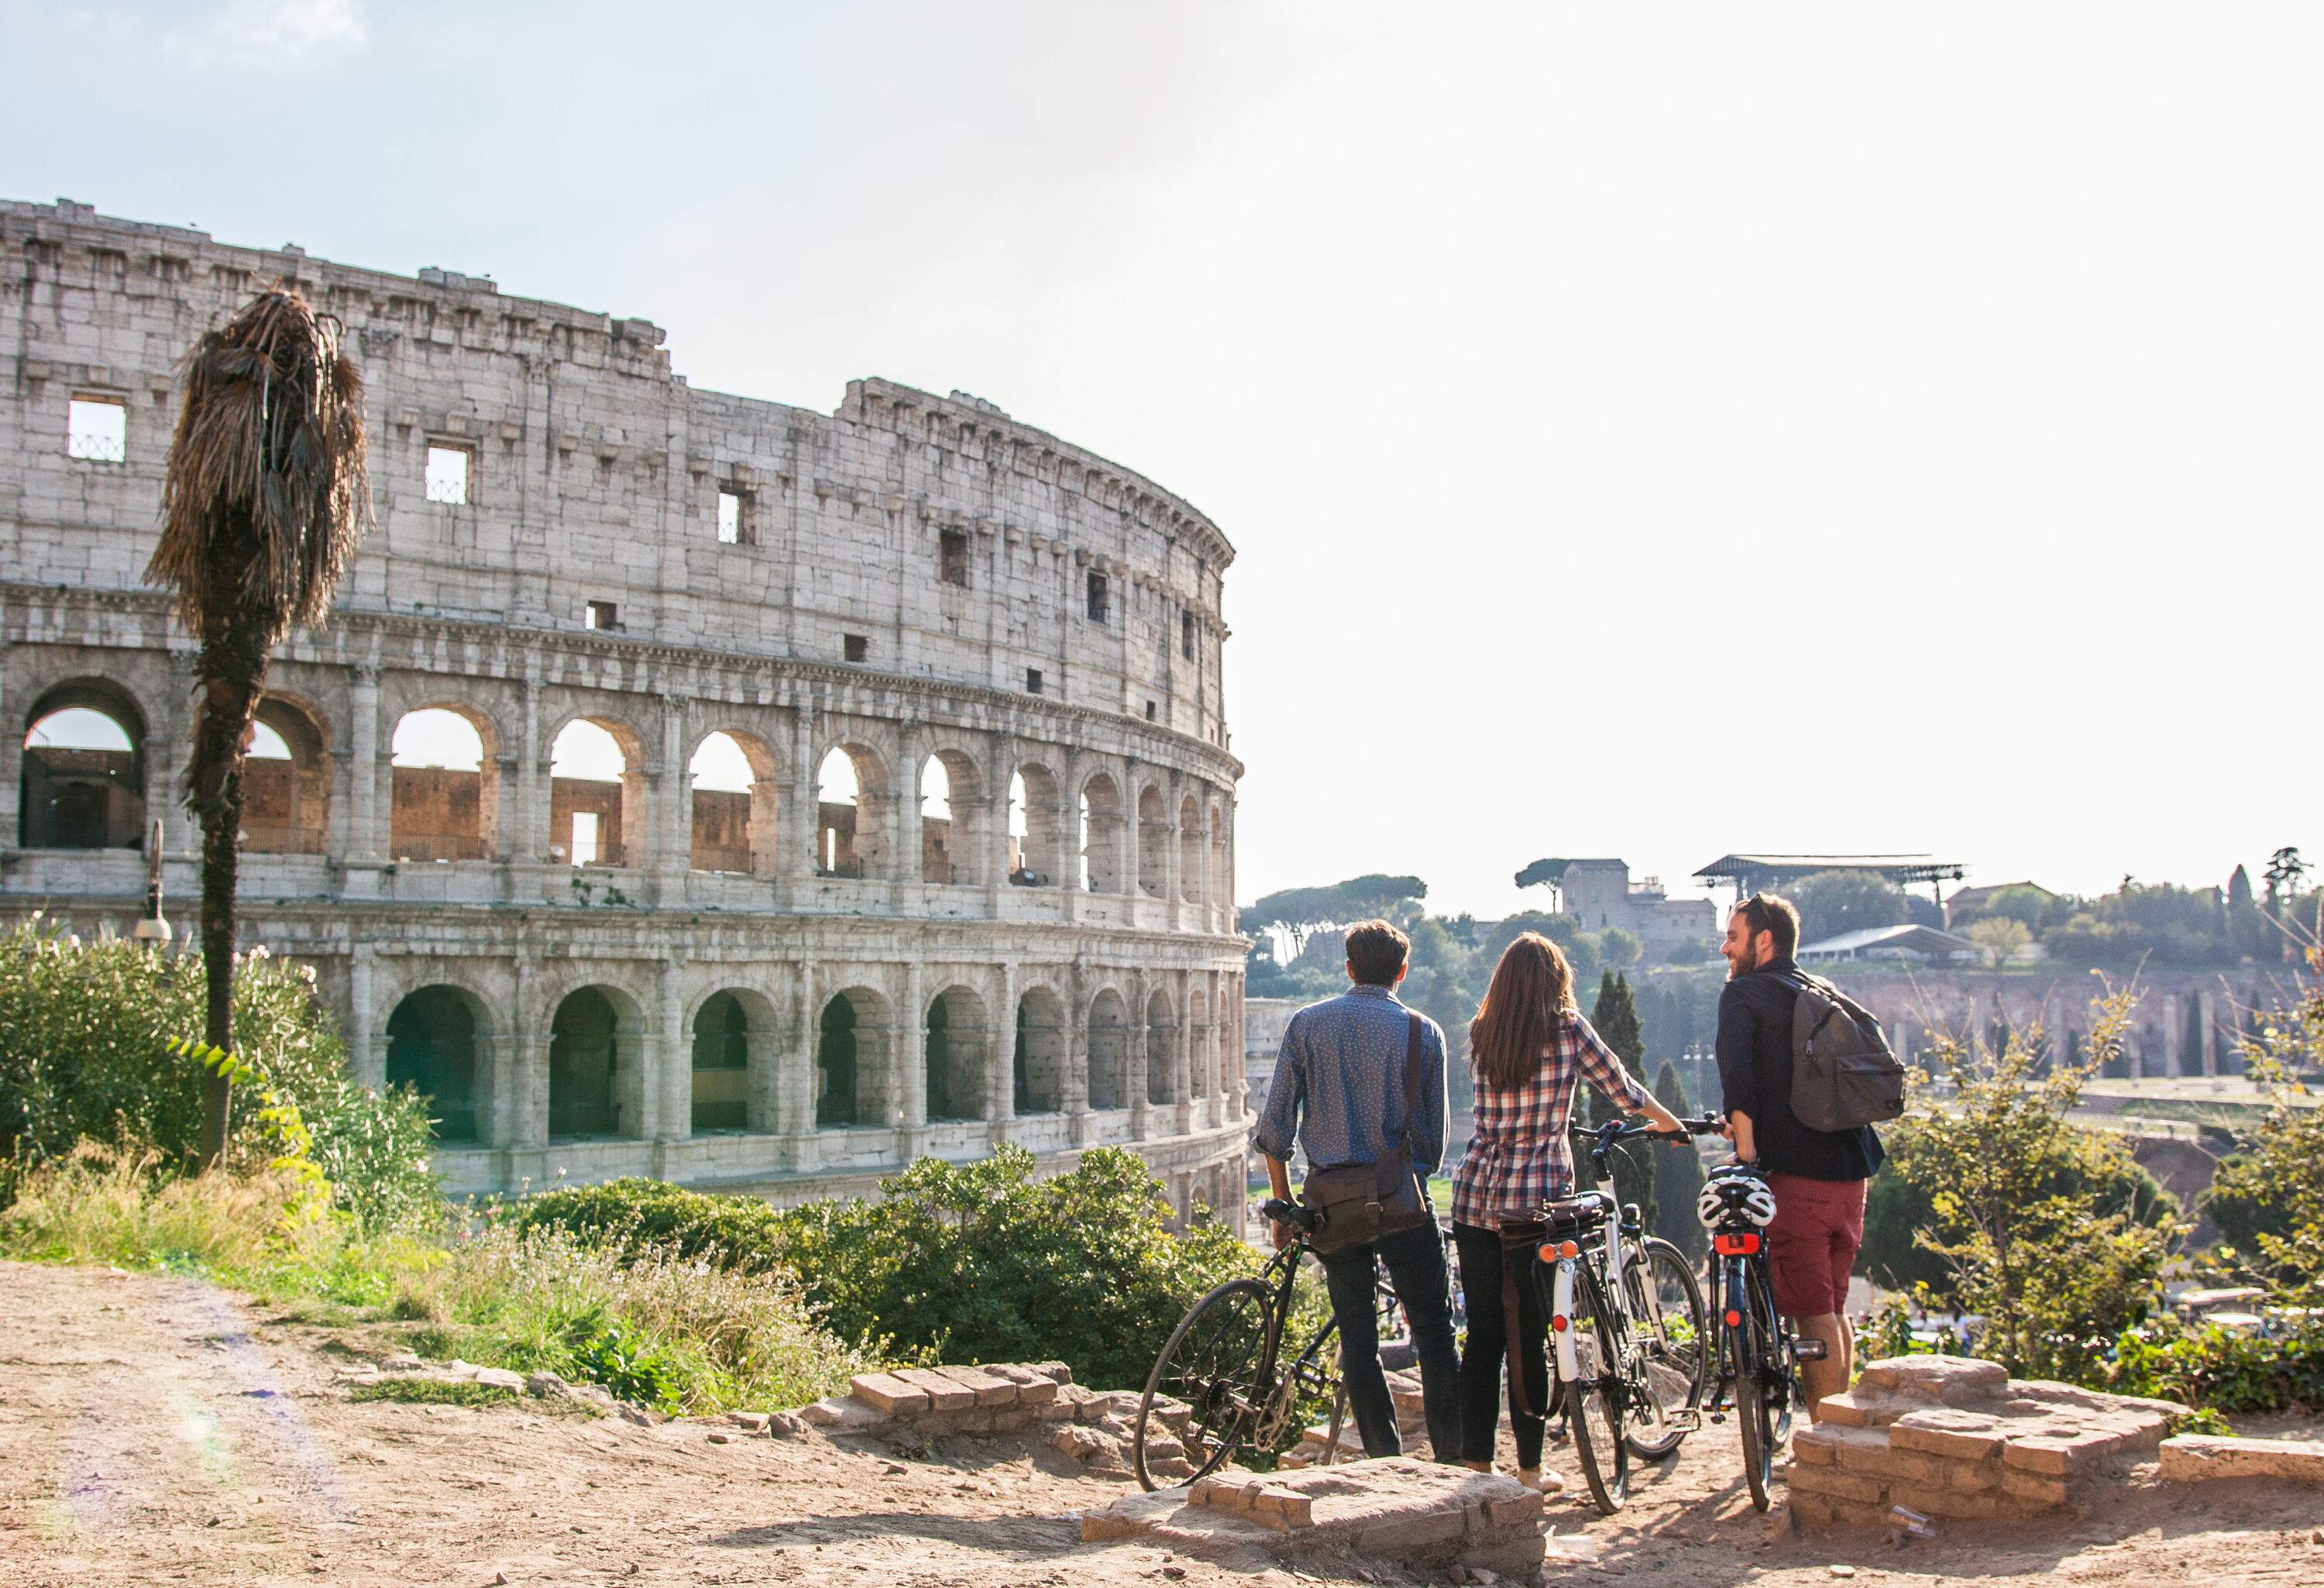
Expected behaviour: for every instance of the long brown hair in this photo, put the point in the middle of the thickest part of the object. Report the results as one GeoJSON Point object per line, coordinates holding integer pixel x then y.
{"type": "Point", "coordinates": [1531, 993]}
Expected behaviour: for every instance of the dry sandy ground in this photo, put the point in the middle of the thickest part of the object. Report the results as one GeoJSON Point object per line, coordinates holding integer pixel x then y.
{"type": "Point", "coordinates": [158, 1430]}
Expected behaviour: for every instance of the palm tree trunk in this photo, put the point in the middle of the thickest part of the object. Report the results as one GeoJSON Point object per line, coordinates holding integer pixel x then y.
{"type": "Point", "coordinates": [233, 671]}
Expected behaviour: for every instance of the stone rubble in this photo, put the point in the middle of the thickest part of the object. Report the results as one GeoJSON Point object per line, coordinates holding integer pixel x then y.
{"type": "Point", "coordinates": [1957, 1438]}
{"type": "Point", "coordinates": [2192, 1458]}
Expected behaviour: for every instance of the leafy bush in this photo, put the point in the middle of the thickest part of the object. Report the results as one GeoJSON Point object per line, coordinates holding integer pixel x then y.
{"type": "Point", "coordinates": [113, 1204]}
{"type": "Point", "coordinates": [2268, 1198]}
{"type": "Point", "coordinates": [958, 1262]}
{"type": "Point", "coordinates": [2212, 1369]}
{"type": "Point", "coordinates": [86, 1055]}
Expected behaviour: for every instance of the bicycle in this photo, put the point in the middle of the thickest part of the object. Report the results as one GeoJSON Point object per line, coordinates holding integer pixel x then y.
{"type": "Point", "coordinates": [1755, 1355]}
{"type": "Point", "coordinates": [1626, 1327]}
{"type": "Point", "coordinates": [1221, 1362]}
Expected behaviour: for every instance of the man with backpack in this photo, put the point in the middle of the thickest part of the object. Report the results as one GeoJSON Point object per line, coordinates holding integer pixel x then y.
{"type": "Point", "coordinates": [1804, 1070]}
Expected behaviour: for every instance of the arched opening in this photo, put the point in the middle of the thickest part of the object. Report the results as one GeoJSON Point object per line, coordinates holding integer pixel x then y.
{"type": "Point", "coordinates": [286, 782]}
{"type": "Point", "coordinates": [849, 841]}
{"type": "Point", "coordinates": [951, 825]}
{"type": "Point", "coordinates": [1108, 1051]}
{"type": "Point", "coordinates": [954, 1055]}
{"type": "Point", "coordinates": [443, 786]}
{"type": "Point", "coordinates": [596, 795]}
{"type": "Point", "coordinates": [730, 785]}
{"type": "Point", "coordinates": [1033, 845]}
{"type": "Point", "coordinates": [84, 777]}
{"type": "Point", "coordinates": [1153, 843]}
{"type": "Point", "coordinates": [1101, 846]}
{"type": "Point", "coordinates": [1161, 1036]}
{"type": "Point", "coordinates": [588, 1053]}
{"type": "Point", "coordinates": [431, 1048]}
{"type": "Point", "coordinates": [1040, 1062]}
{"type": "Point", "coordinates": [722, 1064]}
{"type": "Point", "coordinates": [1190, 851]}
{"type": "Point", "coordinates": [851, 1074]}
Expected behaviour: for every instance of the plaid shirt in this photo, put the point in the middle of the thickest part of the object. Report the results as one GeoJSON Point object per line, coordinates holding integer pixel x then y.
{"type": "Point", "coordinates": [1519, 1156]}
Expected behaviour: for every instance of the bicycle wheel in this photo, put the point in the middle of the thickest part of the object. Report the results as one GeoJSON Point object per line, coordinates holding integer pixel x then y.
{"type": "Point", "coordinates": [1780, 1371]}
{"type": "Point", "coordinates": [1594, 1399]}
{"type": "Point", "coordinates": [1215, 1364]}
{"type": "Point", "coordinates": [1667, 1320]}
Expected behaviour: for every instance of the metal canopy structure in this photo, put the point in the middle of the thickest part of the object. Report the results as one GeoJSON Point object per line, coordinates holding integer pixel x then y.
{"type": "Point", "coordinates": [1752, 874]}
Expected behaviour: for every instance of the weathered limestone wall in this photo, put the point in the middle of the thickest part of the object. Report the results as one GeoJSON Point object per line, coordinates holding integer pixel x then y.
{"type": "Point", "coordinates": [901, 570]}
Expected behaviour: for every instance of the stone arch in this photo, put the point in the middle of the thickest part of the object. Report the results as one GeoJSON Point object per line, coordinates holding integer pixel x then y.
{"type": "Point", "coordinates": [596, 1065]}
{"type": "Point", "coordinates": [84, 769]}
{"type": "Point", "coordinates": [1100, 824]}
{"type": "Point", "coordinates": [286, 798]}
{"type": "Point", "coordinates": [952, 838]}
{"type": "Point", "coordinates": [595, 819]}
{"type": "Point", "coordinates": [850, 805]}
{"type": "Point", "coordinates": [954, 1055]}
{"type": "Point", "coordinates": [437, 1041]}
{"type": "Point", "coordinates": [1190, 851]}
{"type": "Point", "coordinates": [1036, 845]}
{"type": "Point", "coordinates": [1153, 843]}
{"type": "Point", "coordinates": [732, 829]}
{"type": "Point", "coordinates": [732, 1045]}
{"type": "Point", "coordinates": [1161, 1044]}
{"type": "Point", "coordinates": [443, 783]}
{"type": "Point", "coordinates": [1109, 1050]}
{"type": "Point", "coordinates": [1041, 1058]}
{"type": "Point", "coordinates": [851, 1061]}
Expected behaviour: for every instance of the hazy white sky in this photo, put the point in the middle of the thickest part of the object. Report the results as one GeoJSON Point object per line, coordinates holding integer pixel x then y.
{"type": "Point", "coordinates": [1649, 431]}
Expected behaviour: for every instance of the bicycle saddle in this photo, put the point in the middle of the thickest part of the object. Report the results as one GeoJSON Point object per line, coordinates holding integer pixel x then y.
{"type": "Point", "coordinates": [1588, 1209]}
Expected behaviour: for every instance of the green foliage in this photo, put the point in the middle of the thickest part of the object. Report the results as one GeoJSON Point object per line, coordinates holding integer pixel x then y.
{"type": "Point", "coordinates": [1896, 1210]}
{"type": "Point", "coordinates": [1617, 948]}
{"type": "Point", "coordinates": [88, 1055]}
{"type": "Point", "coordinates": [2002, 937]}
{"type": "Point", "coordinates": [2268, 1198]}
{"type": "Point", "coordinates": [1615, 1018]}
{"type": "Point", "coordinates": [2056, 1265]}
{"type": "Point", "coordinates": [2030, 907]}
{"type": "Point", "coordinates": [958, 1262]}
{"type": "Point", "coordinates": [460, 1392]}
{"type": "Point", "coordinates": [1301, 909]}
{"type": "Point", "coordinates": [2215, 1370]}
{"type": "Point", "coordinates": [1678, 1177]}
{"type": "Point", "coordinates": [1832, 902]}
{"type": "Point", "coordinates": [632, 1367]}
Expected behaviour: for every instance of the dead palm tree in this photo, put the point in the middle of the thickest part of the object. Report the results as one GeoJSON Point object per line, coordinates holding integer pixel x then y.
{"type": "Point", "coordinates": [265, 499]}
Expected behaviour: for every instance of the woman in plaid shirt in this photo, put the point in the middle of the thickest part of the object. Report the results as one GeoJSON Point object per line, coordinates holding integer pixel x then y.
{"type": "Point", "coordinates": [1526, 1047]}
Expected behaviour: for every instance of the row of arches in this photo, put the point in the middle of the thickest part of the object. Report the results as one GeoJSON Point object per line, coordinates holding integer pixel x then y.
{"type": "Point", "coordinates": [864, 1071]}
{"type": "Point", "coordinates": [84, 787]}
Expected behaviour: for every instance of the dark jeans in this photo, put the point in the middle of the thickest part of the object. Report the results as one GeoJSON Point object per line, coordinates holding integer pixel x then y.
{"type": "Point", "coordinates": [1481, 1363]}
{"type": "Point", "coordinates": [1416, 1267]}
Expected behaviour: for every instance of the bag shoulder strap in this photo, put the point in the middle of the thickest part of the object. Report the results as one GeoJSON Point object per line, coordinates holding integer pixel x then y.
{"type": "Point", "coordinates": [1415, 1029]}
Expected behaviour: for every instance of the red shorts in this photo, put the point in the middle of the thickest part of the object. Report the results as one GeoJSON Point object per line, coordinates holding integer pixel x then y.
{"type": "Point", "coordinates": [1812, 1242]}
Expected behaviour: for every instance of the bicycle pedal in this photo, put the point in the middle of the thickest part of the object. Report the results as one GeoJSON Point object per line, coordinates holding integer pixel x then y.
{"type": "Point", "coordinates": [1810, 1350]}
{"type": "Point", "coordinates": [1718, 1417]}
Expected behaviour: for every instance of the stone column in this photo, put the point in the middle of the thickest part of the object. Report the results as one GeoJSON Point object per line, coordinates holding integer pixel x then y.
{"type": "Point", "coordinates": [764, 1107]}
{"type": "Point", "coordinates": [768, 799]}
{"type": "Point", "coordinates": [795, 815]}
{"type": "Point", "coordinates": [669, 807]}
{"type": "Point", "coordinates": [1182, 1079]}
{"type": "Point", "coordinates": [1238, 1077]}
{"type": "Point", "coordinates": [1001, 1061]}
{"type": "Point", "coordinates": [911, 1061]}
{"type": "Point", "coordinates": [677, 1123]}
{"type": "Point", "coordinates": [2133, 1046]}
{"type": "Point", "coordinates": [2174, 1061]}
{"type": "Point", "coordinates": [365, 1061]}
{"type": "Point", "coordinates": [365, 841]}
{"type": "Point", "coordinates": [904, 801]}
{"type": "Point", "coordinates": [1075, 1091]}
{"type": "Point", "coordinates": [1134, 1079]}
{"type": "Point", "coordinates": [527, 801]}
{"type": "Point", "coordinates": [521, 1096]}
{"type": "Point", "coordinates": [2206, 1009]}
{"type": "Point", "coordinates": [797, 1124]}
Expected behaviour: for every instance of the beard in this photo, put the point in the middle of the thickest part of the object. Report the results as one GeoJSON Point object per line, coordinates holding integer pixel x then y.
{"type": "Point", "coordinates": [1742, 964]}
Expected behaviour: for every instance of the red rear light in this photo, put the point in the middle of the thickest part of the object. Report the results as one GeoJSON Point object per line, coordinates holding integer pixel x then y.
{"type": "Point", "coordinates": [1742, 1246]}
{"type": "Point", "coordinates": [1568, 1249]}
{"type": "Point", "coordinates": [1734, 1318]}
{"type": "Point", "coordinates": [1557, 1321]}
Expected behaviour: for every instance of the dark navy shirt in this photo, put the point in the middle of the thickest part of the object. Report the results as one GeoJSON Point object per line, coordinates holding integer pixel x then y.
{"type": "Point", "coordinates": [1754, 1077]}
{"type": "Point", "coordinates": [1339, 1085]}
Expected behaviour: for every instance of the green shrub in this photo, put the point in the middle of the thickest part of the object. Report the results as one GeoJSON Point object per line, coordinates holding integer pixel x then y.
{"type": "Point", "coordinates": [86, 1055]}
{"type": "Point", "coordinates": [958, 1262]}
{"type": "Point", "coordinates": [2212, 1370]}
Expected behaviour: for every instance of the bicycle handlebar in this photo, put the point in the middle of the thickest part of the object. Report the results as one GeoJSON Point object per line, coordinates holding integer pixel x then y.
{"type": "Point", "coordinates": [1288, 1213]}
{"type": "Point", "coordinates": [1620, 1129]}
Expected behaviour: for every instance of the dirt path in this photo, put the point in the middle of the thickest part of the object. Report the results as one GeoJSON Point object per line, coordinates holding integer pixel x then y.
{"type": "Point", "coordinates": [156, 1430]}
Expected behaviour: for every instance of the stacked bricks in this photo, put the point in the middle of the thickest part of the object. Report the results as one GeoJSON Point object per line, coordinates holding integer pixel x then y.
{"type": "Point", "coordinates": [1957, 1438]}
{"type": "Point", "coordinates": [999, 1399]}
{"type": "Point", "coordinates": [1412, 1513]}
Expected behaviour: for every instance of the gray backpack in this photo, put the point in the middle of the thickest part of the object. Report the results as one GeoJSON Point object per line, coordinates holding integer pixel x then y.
{"type": "Point", "coordinates": [1843, 1073]}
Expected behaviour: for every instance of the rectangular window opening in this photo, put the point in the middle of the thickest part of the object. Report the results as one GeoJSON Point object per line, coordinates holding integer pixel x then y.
{"type": "Point", "coordinates": [1150, 711]}
{"type": "Point", "coordinates": [1186, 635]}
{"type": "Point", "coordinates": [97, 428]}
{"type": "Point", "coordinates": [602, 615]}
{"type": "Point", "coordinates": [447, 473]}
{"type": "Point", "coordinates": [1097, 598]}
{"type": "Point", "coordinates": [1032, 680]}
{"type": "Point", "coordinates": [585, 837]}
{"type": "Point", "coordinates": [952, 557]}
{"type": "Point", "coordinates": [737, 521]}
{"type": "Point", "coordinates": [856, 647]}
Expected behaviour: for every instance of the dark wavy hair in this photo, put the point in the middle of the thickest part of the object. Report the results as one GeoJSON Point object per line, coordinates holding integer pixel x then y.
{"type": "Point", "coordinates": [1530, 994]}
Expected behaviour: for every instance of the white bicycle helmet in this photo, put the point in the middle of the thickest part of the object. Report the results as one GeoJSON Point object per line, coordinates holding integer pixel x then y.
{"type": "Point", "coordinates": [1724, 1195]}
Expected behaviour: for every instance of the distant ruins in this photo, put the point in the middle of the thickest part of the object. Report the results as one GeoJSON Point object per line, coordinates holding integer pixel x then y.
{"type": "Point", "coordinates": [687, 785]}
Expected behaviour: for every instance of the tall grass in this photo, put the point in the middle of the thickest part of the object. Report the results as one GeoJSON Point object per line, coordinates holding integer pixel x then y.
{"type": "Point", "coordinates": [681, 1334]}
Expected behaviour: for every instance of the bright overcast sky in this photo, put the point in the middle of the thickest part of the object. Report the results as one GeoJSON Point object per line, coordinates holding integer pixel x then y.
{"type": "Point", "coordinates": [1650, 431]}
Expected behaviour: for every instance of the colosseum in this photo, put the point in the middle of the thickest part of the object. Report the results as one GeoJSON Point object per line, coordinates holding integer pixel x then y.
{"type": "Point", "coordinates": [686, 785]}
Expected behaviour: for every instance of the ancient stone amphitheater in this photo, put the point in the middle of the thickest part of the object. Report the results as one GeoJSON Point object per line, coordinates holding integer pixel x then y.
{"type": "Point", "coordinates": [687, 785]}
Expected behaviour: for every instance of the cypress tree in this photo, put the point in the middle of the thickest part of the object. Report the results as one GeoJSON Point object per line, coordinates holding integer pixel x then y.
{"type": "Point", "coordinates": [1616, 1016]}
{"type": "Point", "coordinates": [1678, 1176]}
